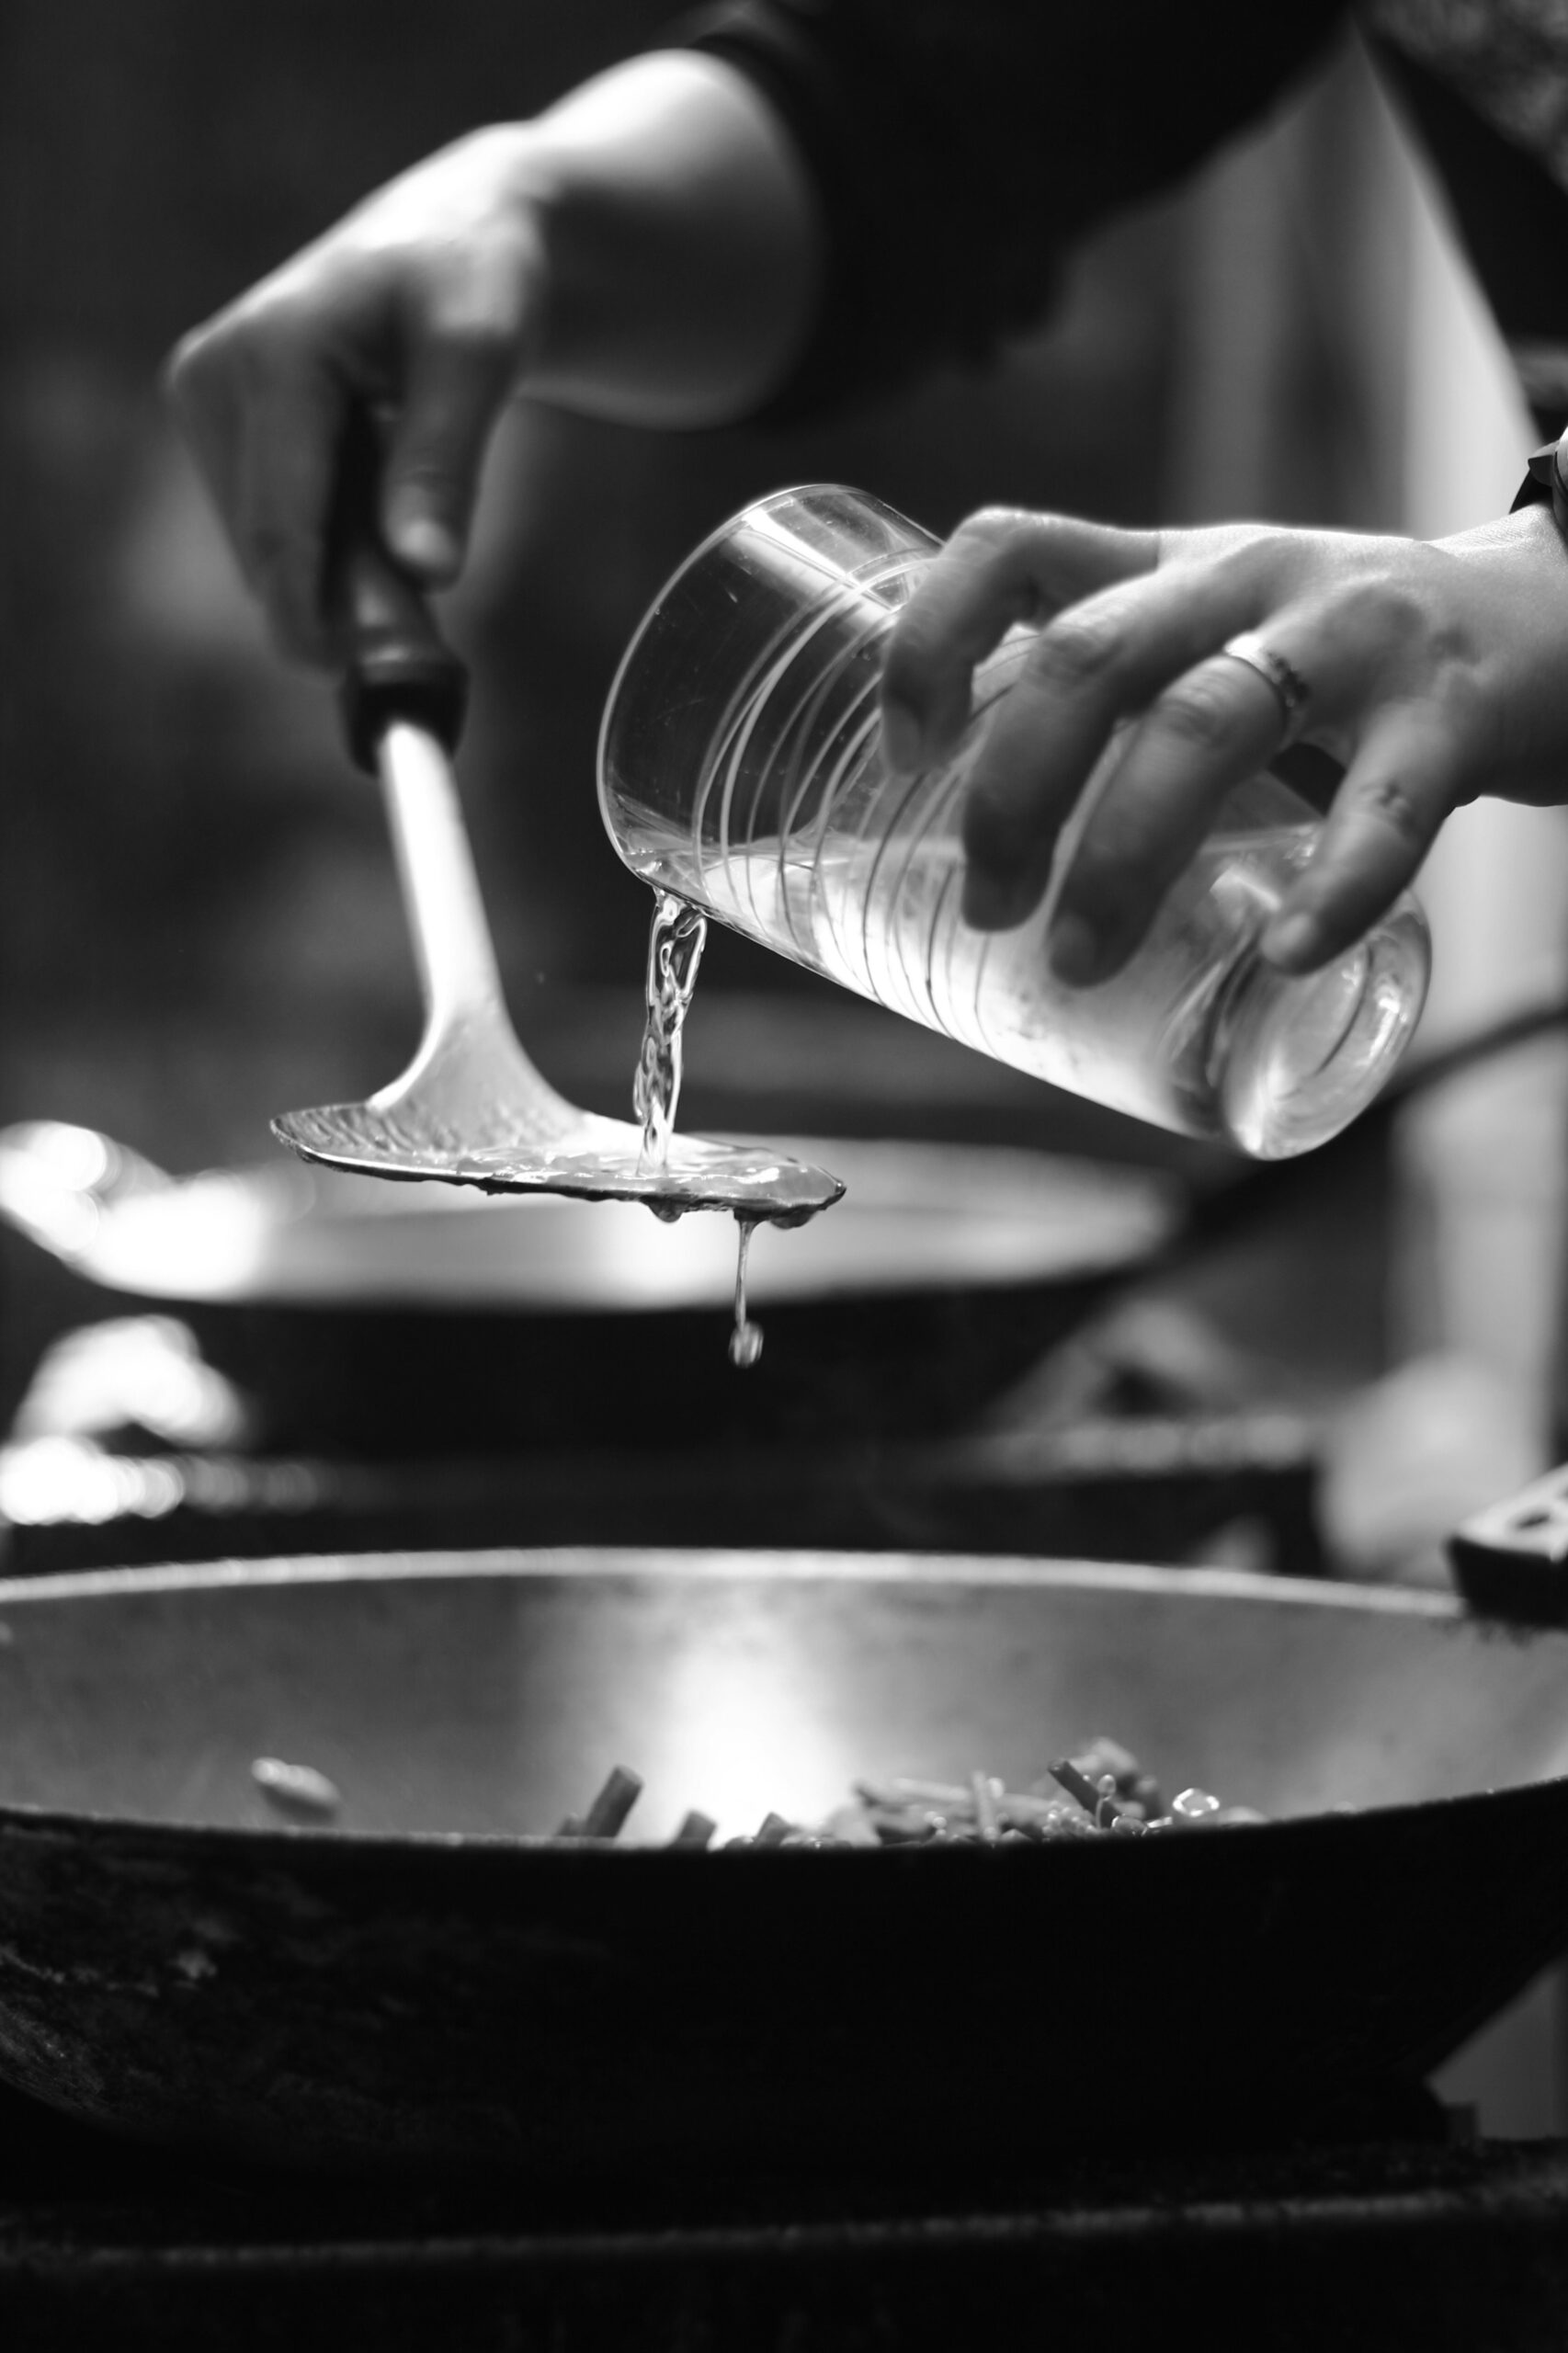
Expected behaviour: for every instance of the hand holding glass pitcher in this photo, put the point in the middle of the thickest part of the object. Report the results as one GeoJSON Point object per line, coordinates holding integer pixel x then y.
{"type": "Point", "coordinates": [871, 755]}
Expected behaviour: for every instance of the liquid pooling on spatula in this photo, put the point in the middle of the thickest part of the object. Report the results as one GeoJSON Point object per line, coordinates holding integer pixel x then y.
{"type": "Point", "coordinates": [472, 1109]}
{"type": "Point", "coordinates": [672, 1174]}
{"type": "Point", "coordinates": [695, 1175]}
{"type": "Point", "coordinates": [595, 1159]}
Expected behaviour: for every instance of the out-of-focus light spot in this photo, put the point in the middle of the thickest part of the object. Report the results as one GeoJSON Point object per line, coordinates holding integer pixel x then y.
{"type": "Point", "coordinates": [74, 1157]}
{"type": "Point", "coordinates": [69, 1479]}
{"type": "Point", "coordinates": [136, 1370]}
{"type": "Point", "coordinates": [46, 1174]}
{"type": "Point", "coordinates": [98, 1206]}
{"type": "Point", "coordinates": [51, 1480]}
{"type": "Point", "coordinates": [200, 1239]}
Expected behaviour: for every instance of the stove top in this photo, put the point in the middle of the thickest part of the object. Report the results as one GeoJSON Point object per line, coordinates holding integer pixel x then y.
{"type": "Point", "coordinates": [1397, 2230]}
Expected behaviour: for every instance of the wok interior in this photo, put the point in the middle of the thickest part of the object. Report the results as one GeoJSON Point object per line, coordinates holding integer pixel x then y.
{"type": "Point", "coordinates": [492, 1693]}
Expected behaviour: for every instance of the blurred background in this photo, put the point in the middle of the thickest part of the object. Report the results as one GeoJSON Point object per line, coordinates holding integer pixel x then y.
{"type": "Point", "coordinates": [199, 924]}
{"type": "Point", "coordinates": [198, 915]}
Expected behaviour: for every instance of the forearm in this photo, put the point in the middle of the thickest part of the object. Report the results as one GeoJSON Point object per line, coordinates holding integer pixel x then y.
{"type": "Point", "coordinates": [682, 240]}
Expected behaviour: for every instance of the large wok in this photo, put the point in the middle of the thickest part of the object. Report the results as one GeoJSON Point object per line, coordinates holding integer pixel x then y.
{"type": "Point", "coordinates": [426, 1985]}
{"type": "Point", "coordinates": [376, 1320]}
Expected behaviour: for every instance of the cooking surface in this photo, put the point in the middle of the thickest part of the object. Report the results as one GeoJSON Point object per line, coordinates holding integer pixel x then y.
{"type": "Point", "coordinates": [923, 1215]}
{"type": "Point", "coordinates": [378, 1322]}
{"type": "Point", "coordinates": [1388, 2235]}
{"type": "Point", "coordinates": [442, 1993]}
{"type": "Point", "coordinates": [489, 1694]}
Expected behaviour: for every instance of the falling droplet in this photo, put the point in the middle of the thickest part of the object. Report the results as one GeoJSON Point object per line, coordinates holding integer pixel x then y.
{"type": "Point", "coordinates": [745, 1340]}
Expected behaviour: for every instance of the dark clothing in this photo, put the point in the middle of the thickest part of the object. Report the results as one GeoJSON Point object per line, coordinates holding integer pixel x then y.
{"type": "Point", "coordinates": [959, 146]}
{"type": "Point", "coordinates": [1513, 217]}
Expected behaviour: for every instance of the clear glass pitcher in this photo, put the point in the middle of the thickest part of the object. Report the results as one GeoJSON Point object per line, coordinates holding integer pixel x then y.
{"type": "Point", "coordinates": [740, 769]}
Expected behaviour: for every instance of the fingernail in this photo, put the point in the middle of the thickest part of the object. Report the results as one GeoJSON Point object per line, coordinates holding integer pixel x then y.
{"type": "Point", "coordinates": [988, 905]}
{"type": "Point", "coordinates": [1074, 951]}
{"type": "Point", "coordinates": [900, 740]}
{"type": "Point", "coordinates": [425, 545]}
{"type": "Point", "coordinates": [1292, 942]}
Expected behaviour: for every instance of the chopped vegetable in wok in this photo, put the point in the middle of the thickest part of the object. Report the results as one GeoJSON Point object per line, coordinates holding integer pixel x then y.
{"type": "Point", "coordinates": [1102, 1791]}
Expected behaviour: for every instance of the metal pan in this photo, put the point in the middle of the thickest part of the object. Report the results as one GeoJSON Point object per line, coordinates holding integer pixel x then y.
{"type": "Point", "coordinates": [421, 1986]}
{"type": "Point", "coordinates": [370, 1320]}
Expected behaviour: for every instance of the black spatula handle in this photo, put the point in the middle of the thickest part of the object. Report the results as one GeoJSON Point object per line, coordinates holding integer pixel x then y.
{"type": "Point", "coordinates": [396, 663]}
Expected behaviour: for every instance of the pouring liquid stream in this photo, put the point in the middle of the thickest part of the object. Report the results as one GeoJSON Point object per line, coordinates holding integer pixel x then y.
{"type": "Point", "coordinates": [676, 935]}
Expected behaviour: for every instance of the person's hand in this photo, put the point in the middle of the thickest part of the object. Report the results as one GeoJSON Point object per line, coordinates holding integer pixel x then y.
{"type": "Point", "coordinates": [1429, 673]}
{"type": "Point", "coordinates": [647, 250]}
{"type": "Point", "coordinates": [421, 304]}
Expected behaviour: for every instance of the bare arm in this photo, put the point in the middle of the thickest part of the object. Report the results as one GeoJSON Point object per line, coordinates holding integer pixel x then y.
{"type": "Point", "coordinates": [648, 250]}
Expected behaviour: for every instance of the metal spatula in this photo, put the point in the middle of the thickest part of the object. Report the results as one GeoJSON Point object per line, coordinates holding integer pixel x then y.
{"type": "Point", "coordinates": [472, 1109]}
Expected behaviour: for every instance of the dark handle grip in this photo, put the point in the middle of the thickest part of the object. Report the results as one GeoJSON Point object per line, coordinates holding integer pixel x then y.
{"type": "Point", "coordinates": [1511, 1561]}
{"type": "Point", "coordinates": [396, 663]}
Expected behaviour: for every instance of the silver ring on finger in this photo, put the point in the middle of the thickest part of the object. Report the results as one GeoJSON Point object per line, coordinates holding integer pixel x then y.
{"type": "Point", "coordinates": [1289, 688]}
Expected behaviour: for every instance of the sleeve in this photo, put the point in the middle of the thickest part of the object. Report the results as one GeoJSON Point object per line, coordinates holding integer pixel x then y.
{"type": "Point", "coordinates": [959, 146]}
{"type": "Point", "coordinates": [1511, 215]}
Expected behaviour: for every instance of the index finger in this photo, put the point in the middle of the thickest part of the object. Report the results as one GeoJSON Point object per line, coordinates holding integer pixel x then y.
{"type": "Point", "coordinates": [1407, 775]}
{"type": "Point", "coordinates": [263, 421]}
{"type": "Point", "coordinates": [286, 481]}
{"type": "Point", "coordinates": [200, 388]}
{"type": "Point", "coordinates": [1000, 566]}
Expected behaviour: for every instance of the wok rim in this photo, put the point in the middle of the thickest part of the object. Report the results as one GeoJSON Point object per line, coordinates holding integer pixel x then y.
{"type": "Point", "coordinates": [288, 1845]}
{"type": "Point", "coordinates": [762, 1564]}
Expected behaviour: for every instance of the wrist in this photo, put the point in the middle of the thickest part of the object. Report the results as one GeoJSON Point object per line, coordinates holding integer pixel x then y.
{"type": "Point", "coordinates": [1526, 527]}
{"type": "Point", "coordinates": [1545, 483]}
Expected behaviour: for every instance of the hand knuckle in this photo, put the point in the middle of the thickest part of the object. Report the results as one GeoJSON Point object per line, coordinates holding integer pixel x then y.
{"type": "Point", "coordinates": [1199, 712]}
{"type": "Point", "coordinates": [1382, 608]}
{"type": "Point", "coordinates": [1249, 548]}
{"type": "Point", "coordinates": [257, 351]}
{"type": "Point", "coordinates": [1395, 605]}
{"type": "Point", "coordinates": [1395, 805]}
{"type": "Point", "coordinates": [989, 530]}
{"type": "Point", "coordinates": [1078, 651]}
{"type": "Point", "coordinates": [1239, 554]}
{"type": "Point", "coordinates": [204, 364]}
{"type": "Point", "coordinates": [188, 362]}
{"type": "Point", "coordinates": [474, 330]}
